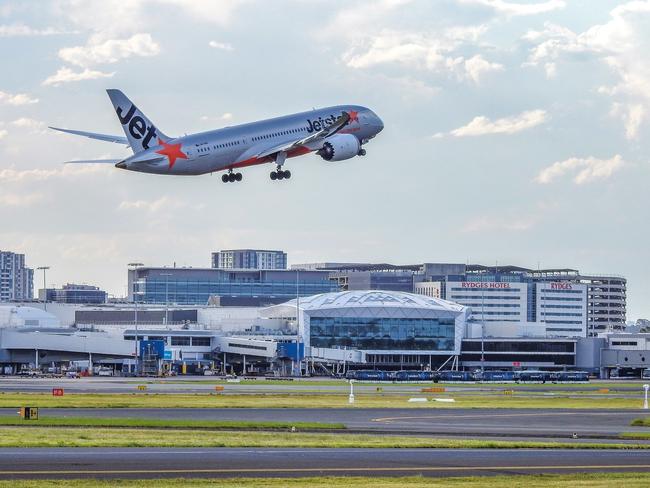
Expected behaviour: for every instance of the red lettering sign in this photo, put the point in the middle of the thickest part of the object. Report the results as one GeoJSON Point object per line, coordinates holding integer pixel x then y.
{"type": "Point", "coordinates": [561, 286]}
{"type": "Point", "coordinates": [57, 391]}
{"type": "Point", "coordinates": [494, 286]}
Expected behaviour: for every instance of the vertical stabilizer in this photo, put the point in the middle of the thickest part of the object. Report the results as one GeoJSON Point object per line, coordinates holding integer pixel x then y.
{"type": "Point", "coordinates": [140, 131]}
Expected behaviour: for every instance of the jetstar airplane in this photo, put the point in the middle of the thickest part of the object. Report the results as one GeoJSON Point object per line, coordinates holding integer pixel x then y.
{"type": "Point", "coordinates": [334, 133]}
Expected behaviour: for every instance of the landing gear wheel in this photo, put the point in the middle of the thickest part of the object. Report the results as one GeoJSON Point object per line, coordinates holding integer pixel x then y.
{"type": "Point", "coordinates": [232, 177]}
{"type": "Point", "coordinates": [280, 175]}
{"type": "Point", "coordinates": [274, 175]}
{"type": "Point", "coordinates": [238, 176]}
{"type": "Point", "coordinates": [224, 178]}
{"type": "Point", "coordinates": [362, 152]}
{"type": "Point", "coordinates": [287, 174]}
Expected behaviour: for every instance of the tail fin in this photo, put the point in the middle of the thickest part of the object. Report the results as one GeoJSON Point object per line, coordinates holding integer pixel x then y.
{"type": "Point", "coordinates": [139, 130]}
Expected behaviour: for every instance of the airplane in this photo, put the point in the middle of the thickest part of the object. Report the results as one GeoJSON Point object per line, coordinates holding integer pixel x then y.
{"type": "Point", "coordinates": [334, 133]}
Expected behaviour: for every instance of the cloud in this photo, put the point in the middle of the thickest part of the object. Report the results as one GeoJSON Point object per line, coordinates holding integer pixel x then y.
{"type": "Point", "coordinates": [220, 45]}
{"type": "Point", "coordinates": [110, 18]}
{"type": "Point", "coordinates": [498, 224]}
{"type": "Point", "coordinates": [589, 169]}
{"type": "Point", "coordinates": [20, 200]}
{"type": "Point", "coordinates": [66, 75]}
{"type": "Point", "coordinates": [3, 133]}
{"type": "Point", "coordinates": [223, 117]}
{"type": "Point", "coordinates": [110, 51]}
{"type": "Point", "coordinates": [434, 53]}
{"type": "Point", "coordinates": [17, 99]}
{"type": "Point", "coordinates": [516, 9]}
{"type": "Point", "coordinates": [481, 125]}
{"type": "Point", "coordinates": [32, 125]}
{"type": "Point", "coordinates": [22, 30]}
{"type": "Point", "coordinates": [153, 206]}
{"type": "Point", "coordinates": [621, 44]}
{"type": "Point", "coordinates": [12, 175]}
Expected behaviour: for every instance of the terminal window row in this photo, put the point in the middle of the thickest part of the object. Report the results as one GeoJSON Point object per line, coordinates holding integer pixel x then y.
{"type": "Point", "coordinates": [488, 297]}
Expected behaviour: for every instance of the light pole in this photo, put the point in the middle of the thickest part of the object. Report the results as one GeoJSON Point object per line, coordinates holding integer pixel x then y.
{"type": "Point", "coordinates": [134, 267]}
{"type": "Point", "coordinates": [166, 275]}
{"type": "Point", "coordinates": [44, 269]}
{"type": "Point", "coordinates": [646, 387]}
{"type": "Point", "coordinates": [298, 321]}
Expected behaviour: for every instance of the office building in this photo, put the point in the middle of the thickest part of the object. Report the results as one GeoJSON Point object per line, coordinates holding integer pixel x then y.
{"type": "Point", "coordinates": [249, 259]}
{"type": "Point", "coordinates": [16, 281]}
{"type": "Point", "coordinates": [225, 287]}
{"type": "Point", "coordinates": [72, 293]}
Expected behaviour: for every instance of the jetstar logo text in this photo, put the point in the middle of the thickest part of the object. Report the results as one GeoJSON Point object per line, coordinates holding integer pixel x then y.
{"type": "Point", "coordinates": [137, 126]}
{"type": "Point", "coordinates": [472, 284]}
{"type": "Point", "coordinates": [320, 123]}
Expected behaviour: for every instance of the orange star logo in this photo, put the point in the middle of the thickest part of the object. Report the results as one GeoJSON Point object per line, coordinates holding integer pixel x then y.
{"type": "Point", "coordinates": [172, 151]}
{"type": "Point", "coordinates": [354, 116]}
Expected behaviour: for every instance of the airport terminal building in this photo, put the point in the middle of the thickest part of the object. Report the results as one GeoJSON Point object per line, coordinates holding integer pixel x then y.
{"type": "Point", "coordinates": [321, 334]}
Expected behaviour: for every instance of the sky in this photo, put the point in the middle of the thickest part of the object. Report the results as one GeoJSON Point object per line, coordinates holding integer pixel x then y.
{"type": "Point", "coordinates": [515, 133]}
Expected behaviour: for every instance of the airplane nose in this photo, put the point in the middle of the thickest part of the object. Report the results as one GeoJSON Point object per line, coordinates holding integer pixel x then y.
{"type": "Point", "coordinates": [379, 124]}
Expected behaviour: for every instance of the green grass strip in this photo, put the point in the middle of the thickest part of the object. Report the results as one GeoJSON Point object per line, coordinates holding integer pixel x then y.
{"type": "Point", "coordinates": [166, 424]}
{"type": "Point", "coordinates": [306, 400]}
{"type": "Point", "coordinates": [643, 422]}
{"type": "Point", "coordinates": [581, 480]}
{"type": "Point", "coordinates": [137, 437]}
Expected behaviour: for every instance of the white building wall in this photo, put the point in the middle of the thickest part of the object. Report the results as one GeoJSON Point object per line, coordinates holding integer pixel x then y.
{"type": "Point", "coordinates": [562, 307]}
{"type": "Point", "coordinates": [491, 301]}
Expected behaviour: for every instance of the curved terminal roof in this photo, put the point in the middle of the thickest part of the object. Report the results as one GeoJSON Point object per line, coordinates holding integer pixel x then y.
{"type": "Point", "coordinates": [373, 298]}
{"type": "Point", "coordinates": [16, 316]}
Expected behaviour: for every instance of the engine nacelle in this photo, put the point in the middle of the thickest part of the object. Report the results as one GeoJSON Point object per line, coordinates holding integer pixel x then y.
{"type": "Point", "coordinates": [340, 147]}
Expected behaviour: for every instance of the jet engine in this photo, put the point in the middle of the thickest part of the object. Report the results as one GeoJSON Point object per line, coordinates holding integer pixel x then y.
{"type": "Point", "coordinates": [340, 147]}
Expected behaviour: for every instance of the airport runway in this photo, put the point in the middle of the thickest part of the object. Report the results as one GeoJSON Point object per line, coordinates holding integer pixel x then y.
{"type": "Point", "coordinates": [204, 385]}
{"type": "Point", "coordinates": [495, 423]}
{"type": "Point", "coordinates": [219, 462]}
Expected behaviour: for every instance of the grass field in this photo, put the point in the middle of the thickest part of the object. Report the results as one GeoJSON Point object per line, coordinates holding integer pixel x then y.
{"type": "Point", "coordinates": [165, 424]}
{"type": "Point", "coordinates": [151, 437]}
{"type": "Point", "coordinates": [605, 480]}
{"type": "Point", "coordinates": [642, 422]}
{"type": "Point", "coordinates": [378, 400]}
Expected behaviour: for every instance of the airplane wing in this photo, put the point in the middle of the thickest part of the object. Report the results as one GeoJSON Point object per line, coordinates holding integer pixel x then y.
{"type": "Point", "coordinates": [93, 135]}
{"type": "Point", "coordinates": [328, 131]}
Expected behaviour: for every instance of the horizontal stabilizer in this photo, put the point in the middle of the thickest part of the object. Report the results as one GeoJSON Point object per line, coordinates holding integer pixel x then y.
{"type": "Point", "coordinates": [94, 161]}
{"type": "Point", "coordinates": [93, 135]}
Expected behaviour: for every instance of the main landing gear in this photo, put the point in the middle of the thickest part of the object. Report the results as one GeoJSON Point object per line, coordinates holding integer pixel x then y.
{"type": "Point", "coordinates": [231, 177]}
{"type": "Point", "coordinates": [280, 175]}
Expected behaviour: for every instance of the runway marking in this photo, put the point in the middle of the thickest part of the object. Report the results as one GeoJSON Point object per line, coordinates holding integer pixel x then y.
{"type": "Point", "coordinates": [488, 416]}
{"type": "Point", "coordinates": [329, 470]}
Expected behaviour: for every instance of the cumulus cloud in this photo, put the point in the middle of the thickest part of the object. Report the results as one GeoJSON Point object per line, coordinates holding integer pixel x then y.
{"type": "Point", "coordinates": [22, 30]}
{"type": "Point", "coordinates": [621, 44]}
{"type": "Point", "coordinates": [66, 75]}
{"type": "Point", "coordinates": [435, 53]}
{"type": "Point", "coordinates": [17, 99]}
{"type": "Point", "coordinates": [514, 8]}
{"type": "Point", "coordinates": [224, 46]}
{"type": "Point", "coordinates": [481, 125]}
{"type": "Point", "coordinates": [588, 169]}
{"type": "Point", "coordinates": [32, 125]}
{"type": "Point", "coordinates": [110, 51]}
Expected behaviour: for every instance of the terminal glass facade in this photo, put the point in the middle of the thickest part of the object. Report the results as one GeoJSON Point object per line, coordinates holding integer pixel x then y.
{"type": "Point", "coordinates": [373, 333]}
